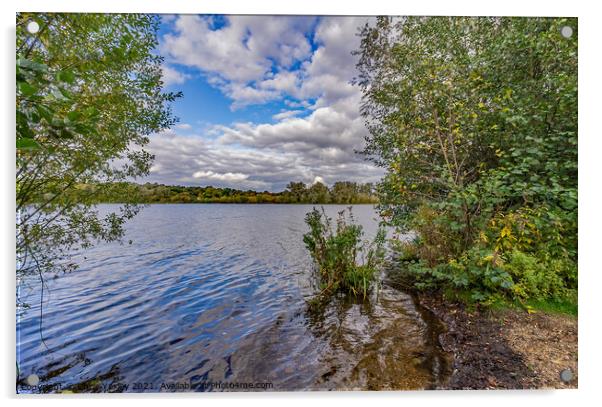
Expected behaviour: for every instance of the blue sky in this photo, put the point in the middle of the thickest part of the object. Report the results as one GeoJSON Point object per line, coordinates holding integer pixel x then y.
{"type": "Point", "coordinates": [204, 103]}
{"type": "Point", "coordinates": [267, 100]}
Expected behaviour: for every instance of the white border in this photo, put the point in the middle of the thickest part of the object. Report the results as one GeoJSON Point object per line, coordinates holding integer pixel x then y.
{"type": "Point", "coordinates": [589, 193]}
{"type": "Point", "coordinates": [312, 7]}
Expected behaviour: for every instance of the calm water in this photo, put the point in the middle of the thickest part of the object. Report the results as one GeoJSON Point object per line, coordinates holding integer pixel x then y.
{"type": "Point", "coordinates": [210, 294]}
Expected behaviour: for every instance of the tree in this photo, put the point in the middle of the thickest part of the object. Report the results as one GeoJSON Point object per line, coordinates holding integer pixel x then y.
{"type": "Point", "coordinates": [318, 193]}
{"type": "Point", "coordinates": [296, 191]}
{"type": "Point", "coordinates": [89, 92]}
{"type": "Point", "coordinates": [475, 122]}
{"type": "Point", "coordinates": [344, 192]}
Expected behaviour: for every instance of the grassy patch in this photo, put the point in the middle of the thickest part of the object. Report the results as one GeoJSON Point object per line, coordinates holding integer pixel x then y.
{"type": "Point", "coordinates": [568, 307]}
{"type": "Point", "coordinates": [563, 306]}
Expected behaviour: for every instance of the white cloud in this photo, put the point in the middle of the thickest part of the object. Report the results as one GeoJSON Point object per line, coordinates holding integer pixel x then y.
{"type": "Point", "coordinates": [332, 66]}
{"type": "Point", "coordinates": [172, 76]}
{"type": "Point", "coordinates": [251, 57]}
{"type": "Point", "coordinates": [193, 160]}
{"type": "Point", "coordinates": [286, 82]}
{"type": "Point", "coordinates": [318, 179]}
{"type": "Point", "coordinates": [286, 114]}
{"type": "Point", "coordinates": [183, 126]}
{"type": "Point", "coordinates": [229, 176]}
{"type": "Point", "coordinates": [333, 131]}
{"type": "Point", "coordinates": [254, 60]}
{"type": "Point", "coordinates": [244, 51]}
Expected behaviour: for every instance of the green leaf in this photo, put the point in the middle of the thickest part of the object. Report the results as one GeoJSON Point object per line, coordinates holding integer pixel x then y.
{"type": "Point", "coordinates": [26, 89]}
{"type": "Point", "coordinates": [33, 66]}
{"type": "Point", "coordinates": [73, 116]}
{"type": "Point", "coordinates": [66, 93]}
{"type": "Point", "coordinates": [64, 133]}
{"type": "Point", "coordinates": [91, 111]}
{"type": "Point", "coordinates": [66, 76]}
{"type": "Point", "coordinates": [27, 144]}
{"type": "Point", "coordinates": [58, 94]}
{"type": "Point", "coordinates": [45, 112]}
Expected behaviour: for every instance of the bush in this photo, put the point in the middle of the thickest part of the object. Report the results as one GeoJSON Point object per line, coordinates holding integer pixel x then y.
{"type": "Point", "coordinates": [477, 275]}
{"type": "Point", "coordinates": [482, 275]}
{"type": "Point", "coordinates": [336, 253]}
{"type": "Point", "coordinates": [535, 279]}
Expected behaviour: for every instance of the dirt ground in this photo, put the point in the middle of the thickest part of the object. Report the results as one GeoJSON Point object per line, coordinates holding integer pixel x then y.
{"type": "Point", "coordinates": [548, 343]}
{"type": "Point", "coordinates": [508, 349]}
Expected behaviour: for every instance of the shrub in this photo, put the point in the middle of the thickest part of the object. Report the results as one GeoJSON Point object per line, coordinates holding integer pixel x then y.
{"type": "Point", "coordinates": [478, 275]}
{"type": "Point", "coordinates": [483, 275]}
{"type": "Point", "coordinates": [535, 279]}
{"type": "Point", "coordinates": [336, 253]}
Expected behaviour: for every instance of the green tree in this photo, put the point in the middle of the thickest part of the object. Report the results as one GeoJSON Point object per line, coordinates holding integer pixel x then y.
{"type": "Point", "coordinates": [89, 92]}
{"type": "Point", "coordinates": [296, 191]}
{"type": "Point", "coordinates": [318, 193]}
{"type": "Point", "coordinates": [344, 192]}
{"type": "Point", "coordinates": [475, 122]}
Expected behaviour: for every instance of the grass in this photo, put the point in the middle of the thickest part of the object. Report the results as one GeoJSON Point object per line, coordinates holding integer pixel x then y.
{"type": "Point", "coordinates": [563, 307]}
{"type": "Point", "coordinates": [566, 306]}
{"type": "Point", "coordinates": [554, 306]}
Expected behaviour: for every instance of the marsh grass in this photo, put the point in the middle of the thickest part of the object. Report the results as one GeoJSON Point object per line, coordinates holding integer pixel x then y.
{"type": "Point", "coordinates": [344, 262]}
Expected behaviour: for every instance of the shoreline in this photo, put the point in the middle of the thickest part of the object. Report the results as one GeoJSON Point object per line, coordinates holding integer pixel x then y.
{"type": "Point", "coordinates": [505, 349]}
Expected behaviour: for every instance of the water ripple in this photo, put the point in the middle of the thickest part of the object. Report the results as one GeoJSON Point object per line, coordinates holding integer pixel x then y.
{"type": "Point", "coordinates": [211, 292]}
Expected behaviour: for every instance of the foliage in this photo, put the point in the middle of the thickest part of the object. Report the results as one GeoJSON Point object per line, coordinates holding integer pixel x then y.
{"type": "Point", "coordinates": [475, 122]}
{"type": "Point", "coordinates": [341, 192]}
{"type": "Point", "coordinates": [297, 192]}
{"type": "Point", "coordinates": [335, 250]}
{"type": "Point", "coordinates": [89, 92]}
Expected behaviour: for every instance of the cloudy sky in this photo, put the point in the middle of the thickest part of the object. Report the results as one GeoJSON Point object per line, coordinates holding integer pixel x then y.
{"type": "Point", "coordinates": [267, 100]}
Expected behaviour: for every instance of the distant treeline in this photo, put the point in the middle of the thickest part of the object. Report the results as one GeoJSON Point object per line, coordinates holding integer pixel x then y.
{"type": "Point", "coordinates": [343, 192]}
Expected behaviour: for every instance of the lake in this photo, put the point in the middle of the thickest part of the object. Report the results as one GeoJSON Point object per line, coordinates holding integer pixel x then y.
{"type": "Point", "coordinates": [213, 297]}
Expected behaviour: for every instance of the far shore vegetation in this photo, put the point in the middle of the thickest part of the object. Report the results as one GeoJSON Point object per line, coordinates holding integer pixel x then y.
{"type": "Point", "coordinates": [342, 192]}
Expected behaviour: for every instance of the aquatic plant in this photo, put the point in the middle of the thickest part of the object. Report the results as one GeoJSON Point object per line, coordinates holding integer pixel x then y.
{"type": "Point", "coordinates": [344, 262]}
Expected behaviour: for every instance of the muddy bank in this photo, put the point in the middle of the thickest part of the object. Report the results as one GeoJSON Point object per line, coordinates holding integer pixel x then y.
{"type": "Point", "coordinates": [506, 349]}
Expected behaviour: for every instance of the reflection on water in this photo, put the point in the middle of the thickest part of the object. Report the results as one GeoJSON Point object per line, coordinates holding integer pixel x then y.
{"type": "Point", "coordinates": [211, 294]}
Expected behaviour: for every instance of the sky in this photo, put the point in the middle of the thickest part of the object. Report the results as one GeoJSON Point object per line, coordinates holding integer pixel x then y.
{"type": "Point", "coordinates": [267, 100]}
